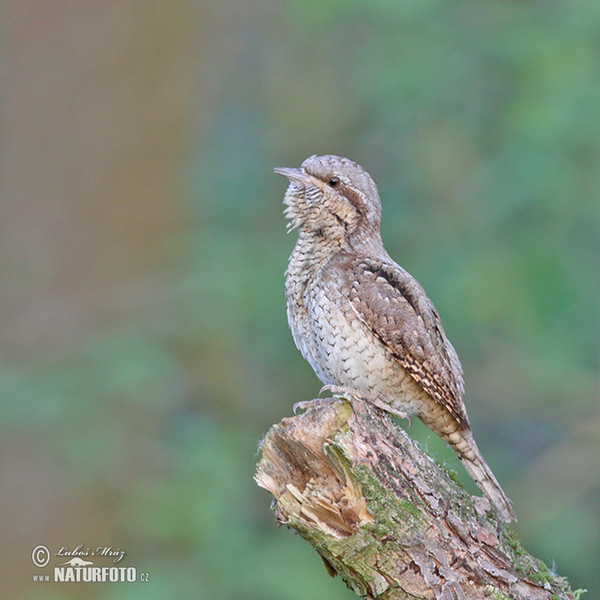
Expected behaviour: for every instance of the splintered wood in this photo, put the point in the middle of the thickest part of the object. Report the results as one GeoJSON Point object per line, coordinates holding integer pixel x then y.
{"type": "Point", "coordinates": [386, 518]}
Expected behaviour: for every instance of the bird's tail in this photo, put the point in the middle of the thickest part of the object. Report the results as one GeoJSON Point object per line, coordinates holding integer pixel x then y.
{"type": "Point", "coordinates": [460, 438]}
{"type": "Point", "coordinates": [482, 475]}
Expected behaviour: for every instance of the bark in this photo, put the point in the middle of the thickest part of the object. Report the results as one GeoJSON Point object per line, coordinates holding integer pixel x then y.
{"type": "Point", "coordinates": [386, 518]}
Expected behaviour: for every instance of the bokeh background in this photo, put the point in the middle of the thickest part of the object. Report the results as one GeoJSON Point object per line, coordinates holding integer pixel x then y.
{"type": "Point", "coordinates": [144, 345]}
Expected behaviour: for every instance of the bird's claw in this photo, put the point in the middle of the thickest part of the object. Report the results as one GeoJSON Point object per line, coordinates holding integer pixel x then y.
{"type": "Point", "coordinates": [306, 404]}
{"type": "Point", "coordinates": [301, 405]}
{"type": "Point", "coordinates": [340, 390]}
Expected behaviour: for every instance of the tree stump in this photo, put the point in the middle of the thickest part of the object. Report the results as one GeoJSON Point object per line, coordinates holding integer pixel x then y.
{"type": "Point", "coordinates": [386, 518]}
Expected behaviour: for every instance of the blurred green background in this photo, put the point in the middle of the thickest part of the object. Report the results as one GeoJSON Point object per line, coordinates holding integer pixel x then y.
{"type": "Point", "coordinates": [144, 344]}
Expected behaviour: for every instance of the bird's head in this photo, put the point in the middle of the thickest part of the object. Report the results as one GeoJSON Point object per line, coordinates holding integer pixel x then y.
{"type": "Point", "coordinates": [332, 197]}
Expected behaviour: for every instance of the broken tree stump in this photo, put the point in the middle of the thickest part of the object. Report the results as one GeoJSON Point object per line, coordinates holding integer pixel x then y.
{"type": "Point", "coordinates": [386, 518]}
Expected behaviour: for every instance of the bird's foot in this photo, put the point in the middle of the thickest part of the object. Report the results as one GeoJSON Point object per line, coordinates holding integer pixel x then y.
{"type": "Point", "coordinates": [316, 403]}
{"type": "Point", "coordinates": [337, 391]}
{"type": "Point", "coordinates": [348, 392]}
{"type": "Point", "coordinates": [341, 390]}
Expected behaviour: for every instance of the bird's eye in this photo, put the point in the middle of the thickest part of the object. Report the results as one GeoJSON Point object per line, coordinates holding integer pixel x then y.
{"type": "Point", "coordinates": [333, 182]}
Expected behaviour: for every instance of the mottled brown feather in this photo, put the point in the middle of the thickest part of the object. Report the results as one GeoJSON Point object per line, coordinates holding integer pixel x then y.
{"type": "Point", "coordinates": [396, 309]}
{"type": "Point", "coordinates": [362, 322]}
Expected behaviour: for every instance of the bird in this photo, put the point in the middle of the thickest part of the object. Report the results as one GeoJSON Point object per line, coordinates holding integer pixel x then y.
{"type": "Point", "coordinates": [363, 323]}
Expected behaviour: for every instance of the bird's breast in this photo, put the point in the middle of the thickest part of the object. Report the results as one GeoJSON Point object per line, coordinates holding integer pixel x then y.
{"type": "Point", "coordinates": [341, 348]}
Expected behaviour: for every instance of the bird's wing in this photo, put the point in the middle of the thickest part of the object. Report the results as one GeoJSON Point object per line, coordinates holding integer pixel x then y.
{"type": "Point", "coordinates": [395, 307]}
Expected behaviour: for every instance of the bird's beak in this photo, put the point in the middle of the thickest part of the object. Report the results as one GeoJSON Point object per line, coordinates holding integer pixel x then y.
{"type": "Point", "coordinates": [297, 176]}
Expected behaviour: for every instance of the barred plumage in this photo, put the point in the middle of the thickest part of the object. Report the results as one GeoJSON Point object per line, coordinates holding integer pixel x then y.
{"type": "Point", "coordinates": [364, 323]}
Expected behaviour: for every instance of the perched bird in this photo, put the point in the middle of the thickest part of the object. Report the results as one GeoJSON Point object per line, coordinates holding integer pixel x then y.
{"type": "Point", "coordinates": [363, 323]}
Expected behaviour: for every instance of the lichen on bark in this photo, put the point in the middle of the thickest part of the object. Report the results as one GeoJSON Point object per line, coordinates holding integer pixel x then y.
{"type": "Point", "coordinates": [386, 518]}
